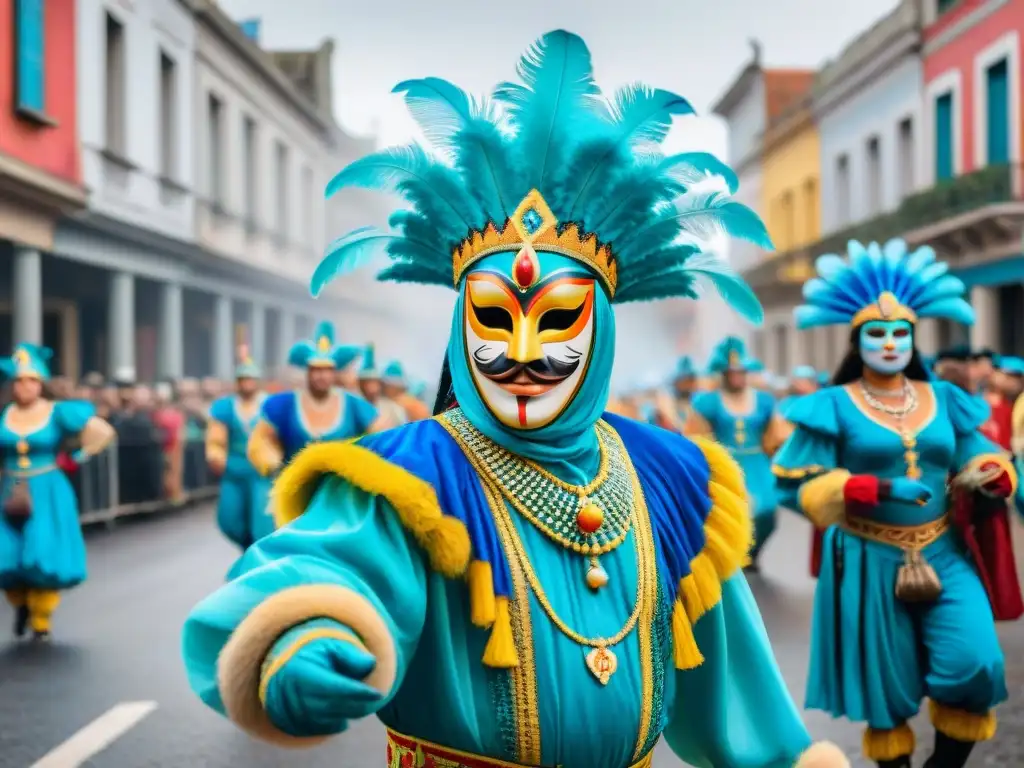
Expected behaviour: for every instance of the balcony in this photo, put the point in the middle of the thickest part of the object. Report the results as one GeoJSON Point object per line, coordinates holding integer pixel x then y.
{"type": "Point", "coordinates": [974, 218]}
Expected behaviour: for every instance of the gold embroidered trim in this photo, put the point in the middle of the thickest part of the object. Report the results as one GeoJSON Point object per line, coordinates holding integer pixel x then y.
{"type": "Point", "coordinates": [909, 538]}
{"type": "Point", "coordinates": [524, 674]}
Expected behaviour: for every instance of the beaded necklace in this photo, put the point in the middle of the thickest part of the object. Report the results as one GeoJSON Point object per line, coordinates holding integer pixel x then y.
{"type": "Point", "coordinates": [590, 519]}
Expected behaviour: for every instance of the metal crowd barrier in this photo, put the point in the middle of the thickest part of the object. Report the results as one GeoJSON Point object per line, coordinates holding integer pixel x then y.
{"type": "Point", "coordinates": [128, 479]}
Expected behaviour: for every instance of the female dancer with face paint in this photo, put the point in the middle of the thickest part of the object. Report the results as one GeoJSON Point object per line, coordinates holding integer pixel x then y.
{"type": "Point", "coordinates": [901, 612]}
{"type": "Point", "coordinates": [522, 580]}
{"type": "Point", "coordinates": [744, 420]}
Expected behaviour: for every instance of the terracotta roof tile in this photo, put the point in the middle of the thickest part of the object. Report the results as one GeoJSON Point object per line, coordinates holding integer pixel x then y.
{"type": "Point", "coordinates": [784, 87]}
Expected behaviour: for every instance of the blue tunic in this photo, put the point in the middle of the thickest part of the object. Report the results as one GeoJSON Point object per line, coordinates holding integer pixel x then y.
{"type": "Point", "coordinates": [873, 658]}
{"type": "Point", "coordinates": [242, 512]}
{"type": "Point", "coordinates": [283, 412]}
{"type": "Point", "coordinates": [48, 552]}
{"type": "Point", "coordinates": [731, 710]}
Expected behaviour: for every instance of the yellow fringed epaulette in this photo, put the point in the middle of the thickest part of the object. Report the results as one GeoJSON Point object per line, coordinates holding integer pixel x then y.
{"type": "Point", "coordinates": [728, 535]}
{"type": "Point", "coordinates": [444, 538]}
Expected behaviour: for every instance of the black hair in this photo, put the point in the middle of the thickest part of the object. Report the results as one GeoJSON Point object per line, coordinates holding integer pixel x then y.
{"type": "Point", "coordinates": [445, 391]}
{"type": "Point", "coordinates": [984, 354]}
{"type": "Point", "coordinates": [852, 367]}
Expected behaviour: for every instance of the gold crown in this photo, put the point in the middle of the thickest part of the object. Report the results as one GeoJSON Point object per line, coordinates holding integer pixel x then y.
{"type": "Point", "coordinates": [21, 358]}
{"type": "Point", "coordinates": [534, 227]}
{"type": "Point", "coordinates": [323, 345]}
{"type": "Point", "coordinates": [885, 307]}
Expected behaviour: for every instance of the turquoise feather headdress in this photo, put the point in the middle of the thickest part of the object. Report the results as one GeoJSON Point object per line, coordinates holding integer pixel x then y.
{"type": "Point", "coordinates": [321, 351]}
{"type": "Point", "coordinates": [881, 283]}
{"type": "Point", "coordinates": [29, 360]}
{"type": "Point", "coordinates": [393, 373]}
{"type": "Point", "coordinates": [368, 368]}
{"type": "Point", "coordinates": [803, 372]}
{"type": "Point", "coordinates": [550, 164]}
{"type": "Point", "coordinates": [729, 355]}
{"type": "Point", "coordinates": [685, 368]}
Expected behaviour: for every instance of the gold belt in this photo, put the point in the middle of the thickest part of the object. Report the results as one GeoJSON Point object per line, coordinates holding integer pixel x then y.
{"type": "Point", "coordinates": [909, 538]}
{"type": "Point", "coordinates": [22, 474]}
{"type": "Point", "coordinates": [409, 752]}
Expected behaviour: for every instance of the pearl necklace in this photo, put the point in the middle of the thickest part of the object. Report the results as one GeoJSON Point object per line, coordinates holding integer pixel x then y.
{"type": "Point", "coordinates": [907, 407]}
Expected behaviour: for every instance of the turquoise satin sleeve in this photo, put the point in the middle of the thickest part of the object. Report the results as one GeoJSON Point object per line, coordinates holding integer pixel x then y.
{"type": "Point", "coordinates": [971, 445]}
{"type": "Point", "coordinates": [296, 634]}
{"type": "Point", "coordinates": [734, 711]}
{"type": "Point", "coordinates": [346, 538]}
{"type": "Point", "coordinates": [804, 455]}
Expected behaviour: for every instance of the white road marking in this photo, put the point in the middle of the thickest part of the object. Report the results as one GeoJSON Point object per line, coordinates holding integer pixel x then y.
{"type": "Point", "coordinates": [97, 735]}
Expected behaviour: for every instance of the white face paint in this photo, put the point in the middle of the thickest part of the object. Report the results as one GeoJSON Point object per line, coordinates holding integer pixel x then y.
{"type": "Point", "coordinates": [887, 346]}
{"type": "Point", "coordinates": [529, 349]}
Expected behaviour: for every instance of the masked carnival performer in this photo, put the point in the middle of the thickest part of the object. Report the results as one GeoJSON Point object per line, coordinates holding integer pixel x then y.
{"type": "Point", "coordinates": [744, 420]}
{"type": "Point", "coordinates": [371, 384]}
{"type": "Point", "coordinates": [907, 595]}
{"type": "Point", "coordinates": [518, 581]}
{"type": "Point", "coordinates": [42, 552]}
{"type": "Point", "coordinates": [396, 388]}
{"type": "Point", "coordinates": [242, 512]}
{"type": "Point", "coordinates": [289, 421]}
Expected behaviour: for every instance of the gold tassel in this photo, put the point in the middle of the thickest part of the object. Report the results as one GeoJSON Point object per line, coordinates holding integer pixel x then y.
{"type": "Point", "coordinates": [500, 652]}
{"type": "Point", "coordinates": [482, 607]}
{"type": "Point", "coordinates": [684, 644]}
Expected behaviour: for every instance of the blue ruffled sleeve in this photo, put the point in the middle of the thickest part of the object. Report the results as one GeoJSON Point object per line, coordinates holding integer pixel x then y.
{"type": "Point", "coordinates": [222, 410]}
{"type": "Point", "coordinates": [347, 560]}
{"type": "Point", "coordinates": [704, 404]}
{"type": "Point", "coordinates": [734, 710]}
{"type": "Point", "coordinates": [812, 449]}
{"type": "Point", "coordinates": [967, 413]}
{"type": "Point", "coordinates": [72, 415]}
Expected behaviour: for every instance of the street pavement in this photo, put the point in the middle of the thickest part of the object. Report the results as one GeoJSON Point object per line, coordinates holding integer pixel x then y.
{"type": "Point", "coordinates": [110, 691]}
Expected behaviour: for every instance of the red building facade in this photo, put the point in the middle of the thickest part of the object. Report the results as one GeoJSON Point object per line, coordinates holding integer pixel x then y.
{"type": "Point", "coordinates": [40, 169]}
{"type": "Point", "coordinates": [971, 149]}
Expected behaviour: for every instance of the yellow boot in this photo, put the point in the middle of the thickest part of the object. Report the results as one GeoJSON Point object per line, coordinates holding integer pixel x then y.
{"type": "Point", "coordinates": [41, 605]}
{"type": "Point", "coordinates": [18, 598]}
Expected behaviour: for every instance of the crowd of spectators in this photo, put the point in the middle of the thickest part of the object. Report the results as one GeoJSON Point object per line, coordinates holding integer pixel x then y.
{"type": "Point", "coordinates": [158, 459]}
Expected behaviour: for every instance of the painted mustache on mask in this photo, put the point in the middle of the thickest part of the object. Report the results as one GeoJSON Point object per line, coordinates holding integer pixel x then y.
{"type": "Point", "coordinates": [547, 370]}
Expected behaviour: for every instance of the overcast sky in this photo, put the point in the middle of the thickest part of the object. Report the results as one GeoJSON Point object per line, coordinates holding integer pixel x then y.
{"type": "Point", "coordinates": [694, 48]}
{"type": "Point", "coordinates": [691, 47]}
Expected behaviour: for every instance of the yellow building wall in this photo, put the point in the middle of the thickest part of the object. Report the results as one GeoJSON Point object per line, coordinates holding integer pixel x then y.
{"type": "Point", "coordinates": [791, 188]}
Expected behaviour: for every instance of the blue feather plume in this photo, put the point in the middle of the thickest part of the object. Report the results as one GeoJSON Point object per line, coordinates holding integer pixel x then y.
{"type": "Point", "coordinates": [596, 162]}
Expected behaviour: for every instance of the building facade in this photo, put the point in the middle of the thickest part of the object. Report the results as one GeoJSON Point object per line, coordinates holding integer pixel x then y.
{"type": "Point", "coordinates": [40, 167]}
{"type": "Point", "coordinates": [972, 112]}
{"type": "Point", "coordinates": [752, 104]}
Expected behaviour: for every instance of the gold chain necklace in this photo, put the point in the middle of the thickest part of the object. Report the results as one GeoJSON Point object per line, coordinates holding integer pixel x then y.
{"type": "Point", "coordinates": [591, 520]}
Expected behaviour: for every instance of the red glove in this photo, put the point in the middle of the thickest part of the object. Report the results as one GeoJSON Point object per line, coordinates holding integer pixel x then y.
{"type": "Point", "coordinates": [1002, 486]}
{"type": "Point", "coordinates": [68, 465]}
{"type": "Point", "coordinates": [862, 491]}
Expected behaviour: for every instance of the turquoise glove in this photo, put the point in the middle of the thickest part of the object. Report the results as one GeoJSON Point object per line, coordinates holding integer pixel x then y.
{"type": "Point", "coordinates": [312, 680]}
{"type": "Point", "coordinates": [908, 491]}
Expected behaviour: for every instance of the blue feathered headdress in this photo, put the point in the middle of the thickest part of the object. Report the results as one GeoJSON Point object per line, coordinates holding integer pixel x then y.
{"type": "Point", "coordinates": [1011, 365]}
{"type": "Point", "coordinates": [321, 351]}
{"type": "Point", "coordinates": [803, 372]}
{"type": "Point", "coordinates": [550, 163]}
{"type": "Point", "coordinates": [393, 373]}
{"type": "Point", "coordinates": [754, 365]}
{"type": "Point", "coordinates": [876, 283]}
{"type": "Point", "coordinates": [30, 360]}
{"type": "Point", "coordinates": [729, 355]}
{"type": "Point", "coordinates": [368, 368]}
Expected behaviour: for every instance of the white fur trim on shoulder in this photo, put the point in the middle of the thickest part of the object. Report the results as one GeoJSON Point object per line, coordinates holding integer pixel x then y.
{"type": "Point", "coordinates": [824, 754]}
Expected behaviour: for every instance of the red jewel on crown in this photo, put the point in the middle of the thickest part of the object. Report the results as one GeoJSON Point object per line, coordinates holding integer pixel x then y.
{"type": "Point", "coordinates": [525, 268]}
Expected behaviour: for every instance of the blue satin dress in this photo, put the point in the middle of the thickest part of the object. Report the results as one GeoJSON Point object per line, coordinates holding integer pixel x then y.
{"type": "Point", "coordinates": [731, 711]}
{"type": "Point", "coordinates": [874, 658]}
{"type": "Point", "coordinates": [743, 435]}
{"type": "Point", "coordinates": [242, 511]}
{"type": "Point", "coordinates": [48, 551]}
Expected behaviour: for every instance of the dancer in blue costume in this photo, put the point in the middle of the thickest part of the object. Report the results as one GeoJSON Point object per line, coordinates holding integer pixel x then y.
{"type": "Point", "coordinates": [684, 385]}
{"type": "Point", "coordinates": [397, 389]}
{"type": "Point", "coordinates": [900, 610]}
{"type": "Point", "coordinates": [371, 384]}
{"type": "Point", "coordinates": [42, 551]}
{"type": "Point", "coordinates": [242, 511]}
{"type": "Point", "coordinates": [745, 421]}
{"type": "Point", "coordinates": [289, 421]}
{"type": "Point", "coordinates": [519, 581]}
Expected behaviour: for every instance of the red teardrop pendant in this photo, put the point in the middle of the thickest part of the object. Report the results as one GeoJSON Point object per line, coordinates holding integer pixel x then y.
{"type": "Point", "coordinates": [524, 268]}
